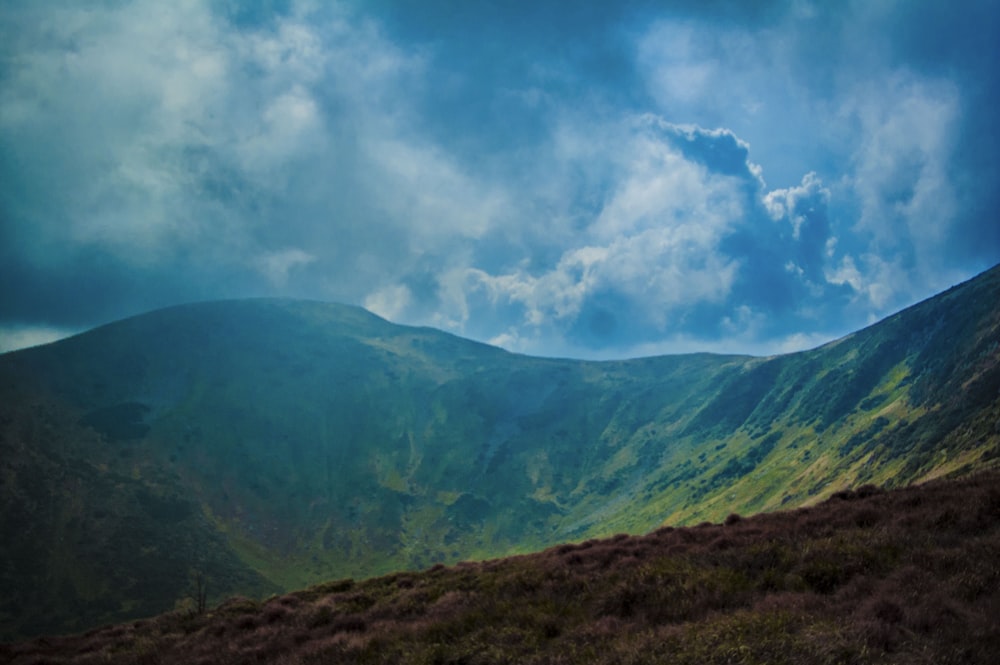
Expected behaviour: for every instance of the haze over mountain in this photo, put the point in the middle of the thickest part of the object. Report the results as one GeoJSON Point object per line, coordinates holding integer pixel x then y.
{"type": "Point", "coordinates": [268, 444]}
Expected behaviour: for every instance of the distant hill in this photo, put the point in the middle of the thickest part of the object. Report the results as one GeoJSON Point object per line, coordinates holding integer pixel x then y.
{"type": "Point", "coordinates": [265, 445]}
{"type": "Point", "coordinates": [866, 577]}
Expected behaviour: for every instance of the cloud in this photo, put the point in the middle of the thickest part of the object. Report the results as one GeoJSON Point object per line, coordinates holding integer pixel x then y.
{"type": "Point", "coordinates": [650, 249]}
{"type": "Point", "coordinates": [151, 134]}
{"type": "Point", "coordinates": [853, 96]}
{"type": "Point", "coordinates": [277, 265]}
{"type": "Point", "coordinates": [423, 189]}
{"type": "Point", "coordinates": [13, 337]}
{"type": "Point", "coordinates": [389, 302]}
{"type": "Point", "coordinates": [104, 104]}
{"type": "Point", "coordinates": [684, 68]}
{"type": "Point", "coordinates": [631, 177]}
{"type": "Point", "coordinates": [688, 241]}
{"type": "Point", "coordinates": [804, 208]}
{"type": "Point", "coordinates": [907, 136]}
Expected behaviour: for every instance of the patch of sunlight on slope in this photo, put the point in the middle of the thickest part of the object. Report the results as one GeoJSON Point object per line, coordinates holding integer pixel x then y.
{"type": "Point", "coordinates": [539, 471]}
{"type": "Point", "coordinates": [804, 466]}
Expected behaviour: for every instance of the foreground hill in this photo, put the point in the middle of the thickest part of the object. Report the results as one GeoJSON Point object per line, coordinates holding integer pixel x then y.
{"type": "Point", "coordinates": [907, 576]}
{"type": "Point", "coordinates": [266, 445]}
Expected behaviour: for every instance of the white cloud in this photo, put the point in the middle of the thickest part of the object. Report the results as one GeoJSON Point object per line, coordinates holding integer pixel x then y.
{"type": "Point", "coordinates": [846, 273]}
{"type": "Point", "coordinates": [15, 337]}
{"type": "Point", "coordinates": [654, 242]}
{"type": "Point", "coordinates": [902, 179]}
{"type": "Point", "coordinates": [876, 282]}
{"type": "Point", "coordinates": [801, 342]}
{"type": "Point", "coordinates": [682, 67]}
{"type": "Point", "coordinates": [661, 189]}
{"type": "Point", "coordinates": [289, 128]}
{"type": "Point", "coordinates": [292, 52]}
{"type": "Point", "coordinates": [390, 302]}
{"type": "Point", "coordinates": [423, 191]}
{"type": "Point", "coordinates": [731, 75]}
{"type": "Point", "coordinates": [277, 265]}
{"type": "Point", "coordinates": [786, 202]}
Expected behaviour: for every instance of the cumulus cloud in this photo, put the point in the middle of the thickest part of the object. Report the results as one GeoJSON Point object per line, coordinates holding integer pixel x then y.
{"type": "Point", "coordinates": [651, 248]}
{"type": "Point", "coordinates": [853, 97]}
{"type": "Point", "coordinates": [688, 241]}
{"type": "Point", "coordinates": [804, 209]}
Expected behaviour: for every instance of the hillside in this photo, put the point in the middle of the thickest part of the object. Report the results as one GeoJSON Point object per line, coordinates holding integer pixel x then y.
{"type": "Point", "coordinates": [265, 445]}
{"type": "Point", "coordinates": [907, 576]}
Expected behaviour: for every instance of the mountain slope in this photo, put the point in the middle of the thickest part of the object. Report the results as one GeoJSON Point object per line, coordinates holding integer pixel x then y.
{"type": "Point", "coordinates": [269, 444]}
{"type": "Point", "coordinates": [907, 576]}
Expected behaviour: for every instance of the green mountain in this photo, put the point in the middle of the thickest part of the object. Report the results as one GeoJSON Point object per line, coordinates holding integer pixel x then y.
{"type": "Point", "coordinates": [265, 445]}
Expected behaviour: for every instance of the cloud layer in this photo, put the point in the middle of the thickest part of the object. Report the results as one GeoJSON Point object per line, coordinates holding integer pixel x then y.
{"type": "Point", "coordinates": [597, 181]}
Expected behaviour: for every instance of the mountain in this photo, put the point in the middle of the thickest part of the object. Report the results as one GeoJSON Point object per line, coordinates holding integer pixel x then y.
{"type": "Point", "coordinates": [264, 445]}
{"type": "Point", "coordinates": [866, 577]}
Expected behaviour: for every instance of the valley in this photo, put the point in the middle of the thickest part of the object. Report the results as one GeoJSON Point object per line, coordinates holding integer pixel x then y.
{"type": "Point", "coordinates": [270, 445]}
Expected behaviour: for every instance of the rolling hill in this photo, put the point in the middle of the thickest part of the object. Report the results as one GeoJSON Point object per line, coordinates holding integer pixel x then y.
{"type": "Point", "coordinates": [265, 445]}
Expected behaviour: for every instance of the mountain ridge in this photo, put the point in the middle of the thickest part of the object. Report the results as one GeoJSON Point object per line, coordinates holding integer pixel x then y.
{"type": "Point", "coordinates": [267, 444]}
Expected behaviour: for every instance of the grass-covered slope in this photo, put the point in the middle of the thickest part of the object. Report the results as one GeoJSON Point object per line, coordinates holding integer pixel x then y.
{"type": "Point", "coordinates": [270, 444]}
{"type": "Point", "coordinates": [907, 576]}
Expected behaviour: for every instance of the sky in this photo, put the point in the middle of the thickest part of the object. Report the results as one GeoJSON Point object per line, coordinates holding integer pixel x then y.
{"type": "Point", "coordinates": [587, 179]}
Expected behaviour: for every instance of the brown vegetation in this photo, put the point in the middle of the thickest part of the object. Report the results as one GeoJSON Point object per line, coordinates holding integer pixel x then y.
{"type": "Point", "coordinates": [908, 576]}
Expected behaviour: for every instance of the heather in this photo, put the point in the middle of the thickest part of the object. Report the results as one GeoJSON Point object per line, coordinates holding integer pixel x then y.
{"type": "Point", "coordinates": [868, 576]}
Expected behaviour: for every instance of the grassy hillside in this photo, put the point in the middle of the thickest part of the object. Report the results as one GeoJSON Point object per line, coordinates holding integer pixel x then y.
{"type": "Point", "coordinates": [907, 576]}
{"type": "Point", "coordinates": [271, 444]}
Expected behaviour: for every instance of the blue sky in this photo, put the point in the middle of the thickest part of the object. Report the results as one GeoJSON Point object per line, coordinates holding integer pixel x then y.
{"type": "Point", "coordinates": [584, 179]}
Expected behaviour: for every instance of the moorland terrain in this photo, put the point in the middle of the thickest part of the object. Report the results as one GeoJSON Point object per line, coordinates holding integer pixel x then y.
{"type": "Point", "coordinates": [255, 447]}
{"type": "Point", "coordinates": [905, 576]}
